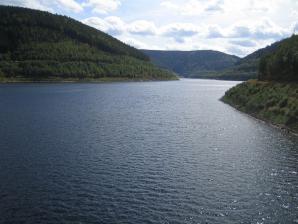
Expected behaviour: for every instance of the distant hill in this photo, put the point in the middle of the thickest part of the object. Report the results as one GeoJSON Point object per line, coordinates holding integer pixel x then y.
{"type": "Point", "coordinates": [247, 67]}
{"type": "Point", "coordinates": [37, 45]}
{"type": "Point", "coordinates": [192, 64]}
{"type": "Point", "coordinates": [210, 64]}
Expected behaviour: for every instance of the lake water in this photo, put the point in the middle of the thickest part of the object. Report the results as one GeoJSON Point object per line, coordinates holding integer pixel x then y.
{"type": "Point", "coordinates": [151, 152]}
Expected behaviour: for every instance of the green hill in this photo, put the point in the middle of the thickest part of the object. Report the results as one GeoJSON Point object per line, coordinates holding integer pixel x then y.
{"type": "Point", "coordinates": [192, 64]}
{"type": "Point", "coordinates": [274, 97]}
{"type": "Point", "coordinates": [247, 67]}
{"type": "Point", "coordinates": [211, 64]}
{"type": "Point", "coordinates": [282, 64]}
{"type": "Point", "coordinates": [37, 45]}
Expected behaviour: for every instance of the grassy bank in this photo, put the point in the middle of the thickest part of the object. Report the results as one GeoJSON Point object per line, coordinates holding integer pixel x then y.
{"type": "Point", "coordinates": [274, 102]}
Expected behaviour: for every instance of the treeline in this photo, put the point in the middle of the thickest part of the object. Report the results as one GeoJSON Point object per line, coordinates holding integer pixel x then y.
{"type": "Point", "coordinates": [282, 64]}
{"type": "Point", "coordinates": [72, 59]}
{"type": "Point", "coordinates": [52, 69]}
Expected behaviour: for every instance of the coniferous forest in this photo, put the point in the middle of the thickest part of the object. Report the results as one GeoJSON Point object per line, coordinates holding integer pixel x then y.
{"type": "Point", "coordinates": [37, 45]}
{"type": "Point", "coordinates": [282, 64]}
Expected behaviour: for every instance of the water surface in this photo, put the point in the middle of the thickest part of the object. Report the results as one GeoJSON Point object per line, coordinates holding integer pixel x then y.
{"type": "Point", "coordinates": [154, 152]}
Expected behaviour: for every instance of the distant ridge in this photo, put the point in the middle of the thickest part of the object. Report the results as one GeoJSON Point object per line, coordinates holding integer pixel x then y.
{"type": "Point", "coordinates": [247, 67]}
{"type": "Point", "coordinates": [211, 64]}
{"type": "Point", "coordinates": [192, 64]}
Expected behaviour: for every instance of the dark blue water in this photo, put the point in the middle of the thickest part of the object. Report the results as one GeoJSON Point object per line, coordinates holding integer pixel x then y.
{"type": "Point", "coordinates": [156, 152]}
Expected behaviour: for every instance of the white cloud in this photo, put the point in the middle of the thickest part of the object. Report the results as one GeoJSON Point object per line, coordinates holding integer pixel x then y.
{"type": "Point", "coordinates": [214, 32]}
{"type": "Point", "coordinates": [115, 25]}
{"type": "Point", "coordinates": [239, 31]}
{"type": "Point", "coordinates": [294, 13]}
{"type": "Point", "coordinates": [261, 6]}
{"type": "Point", "coordinates": [169, 5]}
{"type": "Point", "coordinates": [135, 43]}
{"type": "Point", "coordinates": [179, 31]}
{"type": "Point", "coordinates": [240, 38]}
{"type": "Point", "coordinates": [197, 43]}
{"type": "Point", "coordinates": [112, 24]}
{"type": "Point", "coordinates": [199, 7]}
{"type": "Point", "coordinates": [194, 7]}
{"type": "Point", "coordinates": [70, 5]}
{"type": "Point", "coordinates": [243, 43]}
{"type": "Point", "coordinates": [263, 29]}
{"type": "Point", "coordinates": [265, 6]}
{"type": "Point", "coordinates": [295, 28]}
{"type": "Point", "coordinates": [142, 27]}
{"type": "Point", "coordinates": [33, 4]}
{"type": "Point", "coordinates": [102, 6]}
{"type": "Point", "coordinates": [97, 23]}
{"type": "Point", "coordinates": [235, 50]}
{"type": "Point", "coordinates": [215, 6]}
{"type": "Point", "coordinates": [266, 29]}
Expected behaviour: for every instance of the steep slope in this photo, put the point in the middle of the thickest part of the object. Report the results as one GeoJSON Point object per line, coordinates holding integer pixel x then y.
{"type": "Point", "coordinates": [274, 97]}
{"type": "Point", "coordinates": [37, 45]}
{"type": "Point", "coordinates": [247, 67]}
{"type": "Point", "coordinates": [282, 64]}
{"type": "Point", "coordinates": [192, 64]}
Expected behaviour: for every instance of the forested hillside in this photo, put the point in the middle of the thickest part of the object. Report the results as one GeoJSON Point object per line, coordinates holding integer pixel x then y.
{"type": "Point", "coordinates": [282, 64]}
{"type": "Point", "coordinates": [247, 67]}
{"type": "Point", "coordinates": [37, 45]}
{"type": "Point", "coordinates": [192, 64]}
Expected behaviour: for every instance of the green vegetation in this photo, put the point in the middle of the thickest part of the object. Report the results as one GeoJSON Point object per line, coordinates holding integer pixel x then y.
{"type": "Point", "coordinates": [228, 75]}
{"type": "Point", "coordinates": [36, 45]}
{"type": "Point", "coordinates": [274, 97]}
{"type": "Point", "coordinates": [274, 102]}
{"type": "Point", "coordinates": [193, 64]}
{"type": "Point", "coordinates": [282, 64]}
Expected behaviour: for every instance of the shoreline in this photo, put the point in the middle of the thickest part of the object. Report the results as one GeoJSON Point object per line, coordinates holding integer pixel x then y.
{"type": "Point", "coordinates": [281, 127]}
{"type": "Point", "coordinates": [95, 81]}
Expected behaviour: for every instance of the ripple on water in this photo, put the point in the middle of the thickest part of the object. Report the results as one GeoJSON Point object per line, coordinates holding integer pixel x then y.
{"type": "Point", "coordinates": [165, 152]}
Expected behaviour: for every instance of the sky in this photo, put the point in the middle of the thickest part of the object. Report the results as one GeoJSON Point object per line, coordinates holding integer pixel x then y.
{"type": "Point", "coordinates": [236, 27]}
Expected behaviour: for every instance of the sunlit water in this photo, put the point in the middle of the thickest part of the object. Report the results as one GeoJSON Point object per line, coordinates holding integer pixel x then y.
{"type": "Point", "coordinates": [153, 152]}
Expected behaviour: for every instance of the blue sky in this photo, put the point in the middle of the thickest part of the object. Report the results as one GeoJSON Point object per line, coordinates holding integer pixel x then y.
{"type": "Point", "coordinates": [232, 26]}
